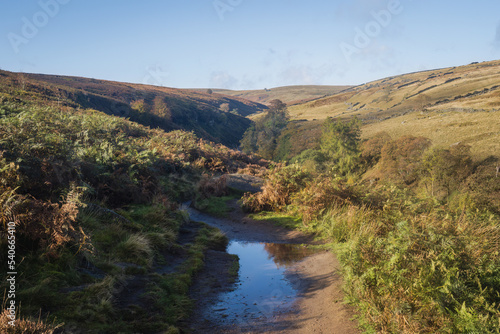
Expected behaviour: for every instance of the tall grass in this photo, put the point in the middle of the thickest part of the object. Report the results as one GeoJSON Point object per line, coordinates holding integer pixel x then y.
{"type": "Point", "coordinates": [420, 273]}
{"type": "Point", "coordinates": [412, 262]}
{"type": "Point", "coordinates": [26, 326]}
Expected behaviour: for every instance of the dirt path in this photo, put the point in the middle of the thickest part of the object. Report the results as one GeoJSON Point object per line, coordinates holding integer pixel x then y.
{"type": "Point", "coordinates": [320, 304]}
{"type": "Point", "coordinates": [238, 226]}
{"type": "Point", "coordinates": [319, 307]}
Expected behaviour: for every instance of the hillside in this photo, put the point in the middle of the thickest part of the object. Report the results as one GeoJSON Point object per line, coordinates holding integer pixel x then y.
{"type": "Point", "coordinates": [474, 87]}
{"type": "Point", "coordinates": [288, 94]}
{"type": "Point", "coordinates": [90, 202]}
{"type": "Point", "coordinates": [449, 105]}
{"type": "Point", "coordinates": [166, 108]}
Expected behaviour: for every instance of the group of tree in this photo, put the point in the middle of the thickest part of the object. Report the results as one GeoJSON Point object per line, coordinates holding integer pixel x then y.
{"type": "Point", "coordinates": [408, 160]}
{"type": "Point", "coordinates": [338, 150]}
{"type": "Point", "coordinates": [262, 137]}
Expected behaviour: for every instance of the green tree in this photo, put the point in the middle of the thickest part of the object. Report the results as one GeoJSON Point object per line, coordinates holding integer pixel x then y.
{"type": "Point", "coordinates": [312, 160]}
{"type": "Point", "coordinates": [443, 170]}
{"type": "Point", "coordinates": [262, 137]}
{"type": "Point", "coordinates": [340, 144]}
{"type": "Point", "coordinates": [249, 141]}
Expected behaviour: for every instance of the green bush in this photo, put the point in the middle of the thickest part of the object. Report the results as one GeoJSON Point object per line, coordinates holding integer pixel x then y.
{"type": "Point", "coordinates": [400, 159]}
{"type": "Point", "coordinates": [340, 143]}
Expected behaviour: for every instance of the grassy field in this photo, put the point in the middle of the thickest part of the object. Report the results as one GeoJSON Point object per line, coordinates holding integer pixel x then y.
{"type": "Point", "coordinates": [289, 94]}
{"type": "Point", "coordinates": [472, 87]}
{"type": "Point", "coordinates": [480, 130]}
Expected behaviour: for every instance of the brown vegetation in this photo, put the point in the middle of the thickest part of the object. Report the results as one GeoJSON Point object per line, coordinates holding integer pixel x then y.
{"type": "Point", "coordinates": [26, 326]}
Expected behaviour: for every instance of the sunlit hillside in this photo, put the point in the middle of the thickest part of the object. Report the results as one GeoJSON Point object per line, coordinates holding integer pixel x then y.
{"type": "Point", "coordinates": [288, 94]}
{"type": "Point", "coordinates": [458, 104]}
{"type": "Point", "coordinates": [474, 87]}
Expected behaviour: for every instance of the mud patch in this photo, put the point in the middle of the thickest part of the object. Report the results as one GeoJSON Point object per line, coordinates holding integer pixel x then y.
{"type": "Point", "coordinates": [216, 278]}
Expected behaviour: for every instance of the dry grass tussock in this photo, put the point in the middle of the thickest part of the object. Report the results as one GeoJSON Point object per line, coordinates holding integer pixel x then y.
{"type": "Point", "coordinates": [259, 170]}
{"type": "Point", "coordinates": [26, 326]}
{"type": "Point", "coordinates": [321, 195]}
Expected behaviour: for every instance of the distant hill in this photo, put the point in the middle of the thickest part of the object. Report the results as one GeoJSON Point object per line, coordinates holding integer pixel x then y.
{"type": "Point", "coordinates": [165, 108]}
{"type": "Point", "coordinates": [475, 87]}
{"type": "Point", "coordinates": [289, 94]}
{"type": "Point", "coordinates": [450, 105]}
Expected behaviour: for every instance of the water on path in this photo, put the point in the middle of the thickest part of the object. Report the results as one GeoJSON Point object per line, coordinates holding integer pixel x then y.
{"type": "Point", "coordinates": [263, 289]}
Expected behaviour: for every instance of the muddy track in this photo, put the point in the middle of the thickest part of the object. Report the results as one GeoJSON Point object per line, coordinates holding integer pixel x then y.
{"type": "Point", "coordinates": [319, 306]}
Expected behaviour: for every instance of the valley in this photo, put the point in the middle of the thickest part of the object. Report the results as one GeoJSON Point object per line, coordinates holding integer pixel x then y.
{"type": "Point", "coordinates": [376, 207]}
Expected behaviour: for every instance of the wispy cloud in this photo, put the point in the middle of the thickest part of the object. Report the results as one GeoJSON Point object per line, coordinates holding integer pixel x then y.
{"type": "Point", "coordinates": [222, 79]}
{"type": "Point", "coordinates": [305, 74]}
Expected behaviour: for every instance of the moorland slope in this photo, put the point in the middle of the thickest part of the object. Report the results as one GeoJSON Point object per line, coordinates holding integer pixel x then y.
{"type": "Point", "coordinates": [288, 94]}
{"type": "Point", "coordinates": [450, 105]}
{"type": "Point", "coordinates": [153, 106]}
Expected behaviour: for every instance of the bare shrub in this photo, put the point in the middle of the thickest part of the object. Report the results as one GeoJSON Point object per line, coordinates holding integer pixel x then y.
{"type": "Point", "coordinates": [321, 195]}
{"type": "Point", "coordinates": [212, 186]}
{"type": "Point", "coordinates": [282, 182]}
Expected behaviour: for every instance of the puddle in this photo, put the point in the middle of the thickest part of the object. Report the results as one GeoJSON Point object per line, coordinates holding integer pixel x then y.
{"type": "Point", "coordinates": [262, 289]}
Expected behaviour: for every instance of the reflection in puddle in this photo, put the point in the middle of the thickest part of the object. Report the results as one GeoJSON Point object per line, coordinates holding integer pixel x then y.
{"type": "Point", "coordinates": [286, 254]}
{"type": "Point", "coordinates": [262, 289]}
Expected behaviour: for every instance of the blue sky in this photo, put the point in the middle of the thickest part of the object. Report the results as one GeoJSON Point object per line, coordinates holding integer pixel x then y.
{"type": "Point", "coordinates": [245, 44]}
